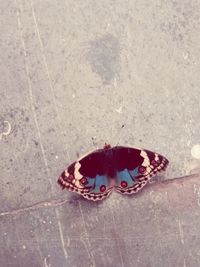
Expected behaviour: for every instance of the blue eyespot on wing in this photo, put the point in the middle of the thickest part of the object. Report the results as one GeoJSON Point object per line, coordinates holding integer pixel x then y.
{"type": "Point", "coordinates": [99, 188]}
{"type": "Point", "coordinates": [127, 182]}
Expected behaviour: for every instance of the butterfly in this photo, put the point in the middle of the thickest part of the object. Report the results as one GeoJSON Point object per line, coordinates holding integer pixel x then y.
{"type": "Point", "coordinates": [123, 169]}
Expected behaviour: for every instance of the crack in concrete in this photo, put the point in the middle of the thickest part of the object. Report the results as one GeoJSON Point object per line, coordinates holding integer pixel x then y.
{"type": "Point", "coordinates": [31, 99]}
{"type": "Point", "coordinates": [43, 204]}
{"type": "Point", "coordinates": [59, 202]}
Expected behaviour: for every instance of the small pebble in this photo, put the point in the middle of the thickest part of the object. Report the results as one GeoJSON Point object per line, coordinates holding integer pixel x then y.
{"type": "Point", "coordinates": [195, 151]}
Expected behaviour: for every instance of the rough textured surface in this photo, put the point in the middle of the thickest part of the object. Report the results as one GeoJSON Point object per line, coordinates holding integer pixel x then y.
{"type": "Point", "coordinates": [77, 74]}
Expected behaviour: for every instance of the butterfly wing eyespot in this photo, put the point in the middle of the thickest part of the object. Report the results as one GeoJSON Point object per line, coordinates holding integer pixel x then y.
{"type": "Point", "coordinates": [69, 178]}
{"type": "Point", "coordinates": [102, 188]}
{"type": "Point", "coordinates": [124, 184]}
{"type": "Point", "coordinates": [155, 163]}
{"type": "Point", "coordinates": [142, 169]}
{"type": "Point", "coordinates": [83, 181]}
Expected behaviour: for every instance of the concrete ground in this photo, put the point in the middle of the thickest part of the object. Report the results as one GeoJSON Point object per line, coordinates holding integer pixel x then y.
{"type": "Point", "coordinates": [77, 74]}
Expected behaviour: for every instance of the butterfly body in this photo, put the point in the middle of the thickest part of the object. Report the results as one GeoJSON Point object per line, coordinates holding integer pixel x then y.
{"type": "Point", "coordinates": [123, 169]}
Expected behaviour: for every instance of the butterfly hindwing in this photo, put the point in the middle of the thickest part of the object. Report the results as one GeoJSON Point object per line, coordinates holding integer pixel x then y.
{"type": "Point", "coordinates": [126, 183]}
{"type": "Point", "coordinates": [87, 177]}
{"type": "Point", "coordinates": [136, 167]}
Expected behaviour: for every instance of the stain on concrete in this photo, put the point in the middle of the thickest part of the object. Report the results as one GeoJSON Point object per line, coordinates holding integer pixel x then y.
{"type": "Point", "coordinates": [104, 57]}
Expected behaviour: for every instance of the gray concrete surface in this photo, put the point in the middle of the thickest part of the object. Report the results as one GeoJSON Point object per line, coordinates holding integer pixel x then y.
{"type": "Point", "coordinates": [77, 74]}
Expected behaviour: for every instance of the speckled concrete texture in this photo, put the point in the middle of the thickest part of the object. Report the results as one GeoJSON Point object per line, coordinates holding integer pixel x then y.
{"type": "Point", "coordinates": [77, 74]}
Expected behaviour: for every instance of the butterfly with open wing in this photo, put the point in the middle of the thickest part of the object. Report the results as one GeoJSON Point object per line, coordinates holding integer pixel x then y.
{"type": "Point", "coordinates": [123, 169]}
